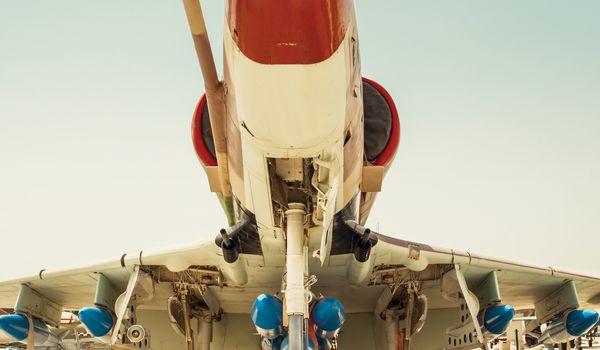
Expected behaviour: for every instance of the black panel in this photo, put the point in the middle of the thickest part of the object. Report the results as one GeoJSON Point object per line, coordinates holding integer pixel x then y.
{"type": "Point", "coordinates": [249, 239]}
{"type": "Point", "coordinates": [207, 135]}
{"type": "Point", "coordinates": [344, 240]}
{"type": "Point", "coordinates": [378, 122]}
{"type": "Point", "coordinates": [244, 236]}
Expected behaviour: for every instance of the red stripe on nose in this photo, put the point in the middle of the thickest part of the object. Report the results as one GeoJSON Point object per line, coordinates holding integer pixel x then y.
{"type": "Point", "coordinates": [288, 31]}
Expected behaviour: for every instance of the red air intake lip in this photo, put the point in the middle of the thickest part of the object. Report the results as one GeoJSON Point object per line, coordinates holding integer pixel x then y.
{"type": "Point", "coordinates": [392, 145]}
{"type": "Point", "coordinates": [199, 145]}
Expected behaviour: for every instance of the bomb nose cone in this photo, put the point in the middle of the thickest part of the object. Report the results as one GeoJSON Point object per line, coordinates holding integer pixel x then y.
{"type": "Point", "coordinates": [580, 322]}
{"type": "Point", "coordinates": [16, 326]}
{"type": "Point", "coordinates": [98, 321]}
{"type": "Point", "coordinates": [267, 315]}
{"type": "Point", "coordinates": [497, 318]}
{"type": "Point", "coordinates": [329, 314]}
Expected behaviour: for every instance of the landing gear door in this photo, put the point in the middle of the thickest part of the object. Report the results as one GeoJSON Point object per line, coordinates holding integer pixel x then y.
{"type": "Point", "coordinates": [328, 215]}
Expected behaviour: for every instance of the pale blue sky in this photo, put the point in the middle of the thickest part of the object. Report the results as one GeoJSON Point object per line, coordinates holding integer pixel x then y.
{"type": "Point", "coordinates": [499, 104]}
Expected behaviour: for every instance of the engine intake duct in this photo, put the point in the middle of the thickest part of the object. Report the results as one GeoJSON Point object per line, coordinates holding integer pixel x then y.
{"type": "Point", "coordinates": [381, 122]}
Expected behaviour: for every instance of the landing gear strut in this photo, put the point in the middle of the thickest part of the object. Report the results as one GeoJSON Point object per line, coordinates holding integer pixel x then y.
{"type": "Point", "coordinates": [295, 293]}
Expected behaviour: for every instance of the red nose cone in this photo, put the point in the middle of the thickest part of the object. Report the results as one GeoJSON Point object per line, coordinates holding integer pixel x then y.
{"type": "Point", "coordinates": [289, 31]}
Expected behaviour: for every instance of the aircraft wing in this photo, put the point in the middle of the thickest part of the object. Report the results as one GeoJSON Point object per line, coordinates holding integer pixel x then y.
{"type": "Point", "coordinates": [466, 294]}
{"type": "Point", "coordinates": [394, 264]}
{"type": "Point", "coordinates": [521, 285]}
{"type": "Point", "coordinates": [76, 288]}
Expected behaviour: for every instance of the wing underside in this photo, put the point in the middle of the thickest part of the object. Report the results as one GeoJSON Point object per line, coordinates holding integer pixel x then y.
{"type": "Point", "coordinates": [394, 264]}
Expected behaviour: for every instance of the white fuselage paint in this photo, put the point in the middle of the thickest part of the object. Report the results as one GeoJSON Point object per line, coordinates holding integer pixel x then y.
{"type": "Point", "coordinates": [287, 111]}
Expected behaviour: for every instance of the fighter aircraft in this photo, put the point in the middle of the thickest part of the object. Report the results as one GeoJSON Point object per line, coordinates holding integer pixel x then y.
{"type": "Point", "coordinates": [295, 143]}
